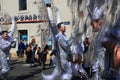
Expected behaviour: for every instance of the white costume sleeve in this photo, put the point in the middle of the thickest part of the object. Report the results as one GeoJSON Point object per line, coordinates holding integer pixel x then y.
{"type": "Point", "coordinates": [12, 29]}
{"type": "Point", "coordinates": [50, 15]}
{"type": "Point", "coordinates": [52, 22]}
{"type": "Point", "coordinates": [58, 16]}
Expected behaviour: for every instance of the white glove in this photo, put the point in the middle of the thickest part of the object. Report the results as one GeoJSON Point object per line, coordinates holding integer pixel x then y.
{"type": "Point", "coordinates": [13, 44]}
{"type": "Point", "coordinates": [15, 40]}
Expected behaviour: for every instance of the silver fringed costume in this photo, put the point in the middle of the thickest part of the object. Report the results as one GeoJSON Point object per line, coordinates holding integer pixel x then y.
{"type": "Point", "coordinates": [62, 44]}
{"type": "Point", "coordinates": [65, 49]}
{"type": "Point", "coordinates": [5, 46]}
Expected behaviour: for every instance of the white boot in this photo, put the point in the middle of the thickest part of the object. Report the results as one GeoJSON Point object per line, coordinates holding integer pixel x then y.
{"type": "Point", "coordinates": [4, 64]}
{"type": "Point", "coordinates": [66, 76]}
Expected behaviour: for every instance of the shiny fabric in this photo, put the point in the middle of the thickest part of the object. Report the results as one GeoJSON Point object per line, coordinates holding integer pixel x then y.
{"type": "Point", "coordinates": [5, 46]}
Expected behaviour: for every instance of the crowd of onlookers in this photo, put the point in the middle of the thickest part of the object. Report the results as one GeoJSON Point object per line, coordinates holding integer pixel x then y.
{"type": "Point", "coordinates": [34, 53]}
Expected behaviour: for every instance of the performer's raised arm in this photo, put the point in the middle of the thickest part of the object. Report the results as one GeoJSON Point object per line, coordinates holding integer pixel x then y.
{"type": "Point", "coordinates": [58, 16]}
{"type": "Point", "coordinates": [50, 15]}
{"type": "Point", "coordinates": [52, 21]}
{"type": "Point", "coordinates": [12, 29]}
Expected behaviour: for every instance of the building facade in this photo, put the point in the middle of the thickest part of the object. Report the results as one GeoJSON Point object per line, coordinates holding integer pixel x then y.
{"type": "Point", "coordinates": [31, 17]}
{"type": "Point", "coordinates": [65, 14]}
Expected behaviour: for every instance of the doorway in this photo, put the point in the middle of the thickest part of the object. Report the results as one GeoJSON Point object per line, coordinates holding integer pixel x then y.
{"type": "Point", "coordinates": [23, 35]}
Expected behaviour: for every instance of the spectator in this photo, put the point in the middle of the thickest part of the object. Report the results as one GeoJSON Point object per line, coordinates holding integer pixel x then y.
{"type": "Point", "coordinates": [51, 59]}
{"type": "Point", "coordinates": [25, 43]}
{"type": "Point", "coordinates": [38, 55]}
{"type": "Point", "coordinates": [21, 48]}
{"type": "Point", "coordinates": [78, 73]}
{"type": "Point", "coordinates": [44, 55]}
{"type": "Point", "coordinates": [33, 47]}
{"type": "Point", "coordinates": [33, 44]}
{"type": "Point", "coordinates": [29, 53]}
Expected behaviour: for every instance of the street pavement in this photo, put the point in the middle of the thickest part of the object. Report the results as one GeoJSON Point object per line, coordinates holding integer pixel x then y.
{"type": "Point", "coordinates": [21, 71]}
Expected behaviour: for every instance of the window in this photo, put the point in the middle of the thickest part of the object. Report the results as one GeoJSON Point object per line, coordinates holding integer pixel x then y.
{"type": "Point", "coordinates": [23, 35]}
{"type": "Point", "coordinates": [22, 5]}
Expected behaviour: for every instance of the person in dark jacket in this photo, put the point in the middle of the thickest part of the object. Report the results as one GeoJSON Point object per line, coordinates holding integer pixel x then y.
{"type": "Point", "coordinates": [21, 48]}
{"type": "Point", "coordinates": [33, 47]}
{"type": "Point", "coordinates": [44, 55]}
{"type": "Point", "coordinates": [38, 55]}
{"type": "Point", "coordinates": [51, 59]}
{"type": "Point", "coordinates": [29, 58]}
